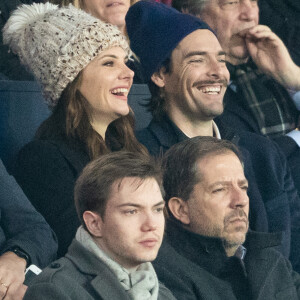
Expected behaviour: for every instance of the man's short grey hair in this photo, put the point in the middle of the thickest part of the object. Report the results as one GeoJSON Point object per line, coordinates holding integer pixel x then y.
{"type": "Point", "coordinates": [193, 7]}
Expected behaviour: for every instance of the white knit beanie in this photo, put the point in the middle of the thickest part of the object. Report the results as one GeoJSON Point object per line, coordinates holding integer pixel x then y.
{"type": "Point", "coordinates": [57, 43]}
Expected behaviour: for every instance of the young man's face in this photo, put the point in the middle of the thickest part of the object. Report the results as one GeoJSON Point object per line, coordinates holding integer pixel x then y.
{"type": "Point", "coordinates": [219, 204]}
{"type": "Point", "coordinates": [133, 225]}
{"type": "Point", "coordinates": [198, 78]}
{"type": "Point", "coordinates": [231, 19]}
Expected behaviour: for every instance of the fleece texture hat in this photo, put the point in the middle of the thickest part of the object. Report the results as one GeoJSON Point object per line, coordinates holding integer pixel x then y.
{"type": "Point", "coordinates": [155, 30]}
{"type": "Point", "coordinates": [55, 44]}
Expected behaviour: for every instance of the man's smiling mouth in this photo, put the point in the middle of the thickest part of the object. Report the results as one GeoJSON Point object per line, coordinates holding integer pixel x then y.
{"type": "Point", "coordinates": [211, 90]}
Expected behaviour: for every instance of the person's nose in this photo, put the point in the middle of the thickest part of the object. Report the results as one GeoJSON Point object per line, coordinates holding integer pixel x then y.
{"type": "Point", "coordinates": [248, 10]}
{"type": "Point", "coordinates": [239, 197]}
{"type": "Point", "coordinates": [216, 69]}
{"type": "Point", "coordinates": [126, 73]}
{"type": "Point", "coordinates": [149, 222]}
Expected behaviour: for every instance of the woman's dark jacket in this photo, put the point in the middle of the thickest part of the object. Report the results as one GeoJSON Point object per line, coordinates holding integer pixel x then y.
{"type": "Point", "coordinates": [47, 170]}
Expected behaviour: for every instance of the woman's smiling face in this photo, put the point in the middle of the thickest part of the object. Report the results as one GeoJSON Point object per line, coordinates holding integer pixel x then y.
{"type": "Point", "coordinates": [105, 85]}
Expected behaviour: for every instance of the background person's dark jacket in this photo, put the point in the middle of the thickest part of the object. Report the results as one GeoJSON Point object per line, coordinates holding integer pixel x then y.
{"type": "Point", "coordinates": [21, 225]}
{"type": "Point", "coordinates": [238, 116]}
{"type": "Point", "coordinates": [10, 66]}
{"type": "Point", "coordinates": [47, 170]}
{"type": "Point", "coordinates": [272, 192]}
{"type": "Point", "coordinates": [192, 267]}
{"type": "Point", "coordinates": [80, 275]}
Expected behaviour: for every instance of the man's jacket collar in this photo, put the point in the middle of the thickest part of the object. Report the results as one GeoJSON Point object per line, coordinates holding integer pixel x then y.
{"type": "Point", "coordinates": [166, 131]}
{"type": "Point", "coordinates": [88, 263]}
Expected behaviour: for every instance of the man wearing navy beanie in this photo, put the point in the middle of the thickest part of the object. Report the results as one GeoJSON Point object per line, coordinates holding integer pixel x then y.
{"type": "Point", "coordinates": [185, 66]}
{"type": "Point", "coordinates": [155, 30]}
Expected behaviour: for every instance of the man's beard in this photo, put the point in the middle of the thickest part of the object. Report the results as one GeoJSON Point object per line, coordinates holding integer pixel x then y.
{"type": "Point", "coordinates": [233, 242]}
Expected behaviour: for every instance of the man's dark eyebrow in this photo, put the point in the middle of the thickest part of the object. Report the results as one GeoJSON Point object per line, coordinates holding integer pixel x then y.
{"type": "Point", "coordinates": [129, 204]}
{"type": "Point", "coordinates": [159, 203]}
{"type": "Point", "coordinates": [137, 205]}
{"type": "Point", "coordinates": [221, 53]}
{"type": "Point", "coordinates": [243, 181]}
{"type": "Point", "coordinates": [194, 53]}
{"type": "Point", "coordinates": [225, 182]}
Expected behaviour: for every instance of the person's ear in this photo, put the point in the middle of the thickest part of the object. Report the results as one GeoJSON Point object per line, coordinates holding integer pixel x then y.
{"type": "Point", "coordinates": [159, 77]}
{"type": "Point", "coordinates": [93, 223]}
{"type": "Point", "coordinates": [179, 209]}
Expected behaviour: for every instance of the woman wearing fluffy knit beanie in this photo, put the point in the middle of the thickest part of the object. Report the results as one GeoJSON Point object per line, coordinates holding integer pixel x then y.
{"type": "Point", "coordinates": [80, 63]}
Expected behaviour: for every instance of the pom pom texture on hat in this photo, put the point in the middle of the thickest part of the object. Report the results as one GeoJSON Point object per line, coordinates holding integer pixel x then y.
{"type": "Point", "coordinates": [57, 43]}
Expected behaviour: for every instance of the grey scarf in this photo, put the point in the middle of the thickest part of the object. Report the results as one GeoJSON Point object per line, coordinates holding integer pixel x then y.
{"type": "Point", "coordinates": [140, 284]}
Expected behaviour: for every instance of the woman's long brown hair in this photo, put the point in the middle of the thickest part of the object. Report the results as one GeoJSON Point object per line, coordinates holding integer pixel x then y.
{"type": "Point", "coordinates": [70, 121]}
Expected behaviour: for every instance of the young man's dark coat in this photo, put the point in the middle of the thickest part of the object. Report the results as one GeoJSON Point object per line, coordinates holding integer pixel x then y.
{"type": "Point", "coordinates": [80, 275]}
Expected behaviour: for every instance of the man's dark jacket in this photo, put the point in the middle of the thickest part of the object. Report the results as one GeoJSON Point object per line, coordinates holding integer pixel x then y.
{"type": "Point", "coordinates": [195, 267]}
{"type": "Point", "coordinates": [21, 225]}
{"type": "Point", "coordinates": [274, 204]}
{"type": "Point", "coordinates": [80, 275]}
{"type": "Point", "coordinates": [238, 116]}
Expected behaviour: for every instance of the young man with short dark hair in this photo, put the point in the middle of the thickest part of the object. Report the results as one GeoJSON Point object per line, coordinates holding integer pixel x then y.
{"type": "Point", "coordinates": [119, 201]}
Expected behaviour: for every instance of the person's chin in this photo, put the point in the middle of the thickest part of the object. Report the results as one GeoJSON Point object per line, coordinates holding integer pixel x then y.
{"type": "Point", "coordinates": [217, 110]}
{"type": "Point", "coordinates": [149, 257]}
{"type": "Point", "coordinates": [122, 109]}
{"type": "Point", "coordinates": [236, 233]}
{"type": "Point", "coordinates": [238, 54]}
{"type": "Point", "coordinates": [118, 19]}
{"type": "Point", "coordinates": [236, 239]}
{"type": "Point", "coordinates": [123, 112]}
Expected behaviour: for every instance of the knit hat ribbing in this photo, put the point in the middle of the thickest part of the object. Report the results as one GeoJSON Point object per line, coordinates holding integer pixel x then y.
{"type": "Point", "coordinates": [57, 43]}
{"type": "Point", "coordinates": [155, 30]}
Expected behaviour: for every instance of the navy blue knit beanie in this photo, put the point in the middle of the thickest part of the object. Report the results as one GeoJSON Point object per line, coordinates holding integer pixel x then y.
{"type": "Point", "coordinates": [155, 30]}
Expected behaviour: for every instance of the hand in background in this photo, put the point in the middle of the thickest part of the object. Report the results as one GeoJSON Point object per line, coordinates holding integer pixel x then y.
{"type": "Point", "coordinates": [272, 57]}
{"type": "Point", "coordinates": [12, 275]}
